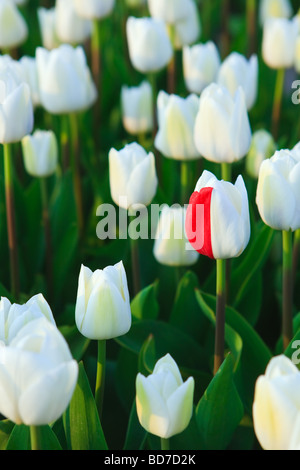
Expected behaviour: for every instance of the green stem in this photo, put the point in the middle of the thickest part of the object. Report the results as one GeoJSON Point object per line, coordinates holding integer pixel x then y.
{"type": "Point", "coordinates": [220, 314]}
{"type": "Point", "coordinates": [35, 438]}
{"type": "Point", "coordinates": [97, 72]}
{"type": "Point", "coordinates": [226, 170]}
{"type": "Point", "coordinates": [64, 138]}
{"type": "Point", "coordinates": [152, 81]}
{"type": "Point", "coordinates": [171, 71]}
{"type": "Point", "coordinates": [251, 25]}
{"type": "Point", "coordinates": [135, 266]}
{"type": "Point", "coordinates": [76, 170]}
{"type": "Point", "coordinates": [48, 238]}
{"type": "Point", "coordinates": [277, 102]}
{"type": "Point", "coordinates": [225, 12]}
{"type": "Point", "coordinates": [296, 251]}
{"type": "Point", "coordinates": [185, 180]}
{"type": "Point", "coordinates": [100, 378]}
{"type": "Point", "coordinates": [165, 444]}
{"type": "Point", "coordinates": [11, 222]}
{"type": "Point", "coordinates": [287, 288]}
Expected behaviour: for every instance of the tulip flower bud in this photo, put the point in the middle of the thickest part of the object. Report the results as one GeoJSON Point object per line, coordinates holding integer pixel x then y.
{"type": "Point", "coordinates": [276, 406]}
{"type": "Point", "coordinates": [13, 28]}
{"type": "Point", "coordinates": [278, 191]}
{"type": "Point", "coordinates": [150, 48]}
{"type": "Point", "coordinates": [94, 9]}
{"type": "Point", "coordinates": [46, 17]}
{"type": "Point", "coordinates": [132, 176]}
{"type": "Point", "coordinates": [188, 29]}
{"type": "Point", "coordinates": [164, 402]}
{"type": "Point", "coordinates": [169, 11]}
{"type": "Point", "coordinates": [37, 375]}
{"type": "Point", "coordinates": [262, 147]}
{"type": "Point", "coordinates": [218, 221]}
{"type": "Point", "coordinates": [200, 66]}
{"type": "Point", "coordinates": [40, 153]}
{"type": "Point", "coordinates": [103, 305]}
{"type": "Point", "coordinates": [71, 28]}
{"type": "Point", "coordinates": [29, 71]}
{"type": "Point", "coordinates": [171, 246]}
{"type": "Point", "coordinates": [222, 130]}
{"type": "Point", "coordinates": [236, 71]}
{"type": "Point", "coordinates": [65, 80]}
{"type": "Point", "coordinates": [13, 316]}
{"type": "Point", "coordinates": [137, 108]}
{"type": "Point", "coordinates": [275, 9]}
{"type": "Point", "coordinates": [15, 100]}
{"type": "Point", "coordinates": [279, 43]}
{"type": "Point", "coordinates": [176, 122]}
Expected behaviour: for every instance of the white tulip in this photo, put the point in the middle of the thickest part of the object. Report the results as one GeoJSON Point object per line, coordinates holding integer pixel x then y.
{"type": "Point", "coordinates": [15, 100]}
{"type": "Point", "coordinates": [137, 108]}
{"type": "Point", "coordinates": [37, 375]}
{"type": "Point", "coordinates": [169, 11]}
{"type": "Point", "coordinates": [40, 152]}
{"type": "Point", "coordinates": [13, 316]}
{"type": "Point", "coordinates": [46, 18]}
{"type": "Point", "coordinates": [222, 229]}
{"type": "Point", "coordinates": [13, 28]}
{"type": "Point", "coordinates": [274, 9]}
{"type": "Point", "coordinates": [65, 80]}
{"type": "Point", "coordinates": [150, 48]}
{"type": "Point", "coordinates": [222, 129]}
{"type": "Point", "coordinates": [132, 176]}
{"type": "Point", "coordinates": [278, 191]}
{"type": "Point", "coordinates": [276, 407]}
{"type": "Point", "coordinates": [103, 304]}
{"type": "Point", "coordinates": [94, 9]}
{"type": "Point", "coordinates": [236, 71]}
{"type": "Point", "coordinates": [30, 75]}
{"type": "Point", "coordinates": [164, 402]}
{"type": "Point", "coordinates": [279, 43]}
{"type": "Point", "coordinates": [176, 122]}
{"type": "Point", "coordinates": [187, 30]}
{"type": "Point", "coordinates": [262, 147]}
{"type": "Point", "coordinates": [170, 247]}
{"type": "Point", "coordinates": [201, 63]}
{"type": "Point", "coordinates": [70, 28]}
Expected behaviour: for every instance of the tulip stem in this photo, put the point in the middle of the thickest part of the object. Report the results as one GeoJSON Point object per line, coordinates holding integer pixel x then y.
{"type": "Point", "coordinates": [185, 179]}
{"type": "Point", "coordinates": [135, 266]}
{"type": "Point", "coordinates": [171, 71]}
{"type": "Point", "coordinates": [100, 377]}
{"type": "Point", "coordinates": [47, 232]}
{"type": "Point", "coordinates": [35, 438]}
{"type": "Point", "coordinates": [165, 444]}
{"type": "Point", "coordinates": [11, 221]}
{"type": "Point", "coordinates": [64, 133]}
{"type": "Point", "coordinates": [226, 171]}
{"type": "Point", "coordinates": [296, 251]}
{"type": "Point", "coordinates": [76, 171]}
{"type": "Point", "coordinates": [97, 67]}
{"type": "Point", "coordinates": [152, 81]}
{"type": "Point", "coordinates": [277, 102]}
{"type": "Point", "coordinates": [220, 314]}
{"type": "Point", "coordinates": [287, 288]}
{"type": "Point", "coordinates": [251, 26]}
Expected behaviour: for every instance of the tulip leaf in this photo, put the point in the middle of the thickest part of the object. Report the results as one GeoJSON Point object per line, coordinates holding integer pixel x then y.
{"type": "Point", "coordinates": [81, 420]}
{"type": "Point", "coordinates": [19, 438]}
{"type": "Point", "coordinates": [168, 339]}
{"type": "Point", "coordinates": [144, 306]}
{"type": "Point", "coordinates": [147, 356]}
{"type": "Point", "coordinates": [250, 263]}
{"type": "Point", "coordinates": [220, 410]}
{"type": "Point", "coordinates": [186, 314]}
{"type": "Point", "coordinates": [255, 354]}
{"type": "Point", "coordinates": [6, 428]}
{"type": "Point", "coordinates": [136, 435]}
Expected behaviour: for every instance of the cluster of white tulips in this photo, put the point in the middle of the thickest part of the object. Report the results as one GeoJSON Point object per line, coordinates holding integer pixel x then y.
{"type": "Point", "coordinates": [209, 123]}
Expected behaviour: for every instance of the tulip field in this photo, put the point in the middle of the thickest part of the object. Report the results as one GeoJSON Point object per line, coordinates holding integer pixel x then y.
{"type": "Point", "coordinates": [149, 227]}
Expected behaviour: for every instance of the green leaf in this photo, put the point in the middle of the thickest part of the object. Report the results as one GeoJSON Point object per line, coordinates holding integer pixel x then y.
{"type": "Point", "coordinates": [19, 438]}
{"type": "Point", "coordinates": [144, 306]}
{"type": "Point", "coordinates": [6, 428]}
{"type": "Point", "coordinates": [49, 440]}
{"type": "Point", "coordinates": [81, 420]}
{"type": "Point", "coordinates": [77, 342]}
{"type": "Point", "coordinates": [136, 435]}
{"type": "Point", "coordinates": [220, 410]}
